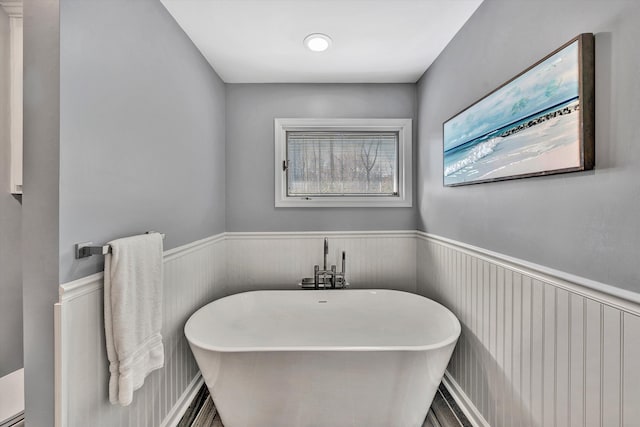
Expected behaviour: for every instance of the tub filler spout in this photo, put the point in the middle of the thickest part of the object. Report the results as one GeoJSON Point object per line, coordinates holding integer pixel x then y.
{"type": "Point", "coordinates": [327, 278]}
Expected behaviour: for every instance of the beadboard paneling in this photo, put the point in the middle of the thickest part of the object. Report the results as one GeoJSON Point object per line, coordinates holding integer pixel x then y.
{"type": "Point", "coordinates": [536, 349]}
{"type": "Point", "coordinates": [375, 259]}
{"type": "Point", "coordinates": [193, 275]}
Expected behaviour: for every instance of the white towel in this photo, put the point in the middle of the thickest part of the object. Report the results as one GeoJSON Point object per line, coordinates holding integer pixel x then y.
{"type": "Point", "coordinates": [133, 313]}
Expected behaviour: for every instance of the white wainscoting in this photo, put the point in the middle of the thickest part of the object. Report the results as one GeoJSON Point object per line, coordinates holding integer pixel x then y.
{"type": "Point", "coordinates": [375, 259]}
{"type": "Point", "coordinates": [193, 275]}
{"type": "Point", "coordinates": [538, 347]}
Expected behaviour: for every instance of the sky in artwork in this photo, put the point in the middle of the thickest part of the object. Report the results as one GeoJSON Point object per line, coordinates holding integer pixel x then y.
{"type": "Point", "coordinates": [551, 82]}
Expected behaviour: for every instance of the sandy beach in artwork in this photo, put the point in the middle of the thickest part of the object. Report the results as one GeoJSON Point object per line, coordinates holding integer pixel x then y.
{"type": "Point", "coordinates": [553, 146]}
{"type": "Point", "coordinates": [550, 145]}
{"type": "Point", "coordinates": [531, 125]}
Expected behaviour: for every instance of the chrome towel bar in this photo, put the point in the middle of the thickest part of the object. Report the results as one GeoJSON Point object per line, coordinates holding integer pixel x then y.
{"type": "Point", "coordinates": [87, 249]}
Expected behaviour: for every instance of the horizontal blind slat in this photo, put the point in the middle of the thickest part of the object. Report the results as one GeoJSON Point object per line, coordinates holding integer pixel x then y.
{"type": "Point", "coordinates": [342, 163]}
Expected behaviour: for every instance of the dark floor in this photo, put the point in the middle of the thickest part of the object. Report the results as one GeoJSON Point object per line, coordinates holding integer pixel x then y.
{"type": "Point", "coordinates": [444, 412]}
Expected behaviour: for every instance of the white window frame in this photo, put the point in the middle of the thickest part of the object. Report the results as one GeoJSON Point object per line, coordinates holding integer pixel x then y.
{"type": "Point", "coordinates": [405, 176]}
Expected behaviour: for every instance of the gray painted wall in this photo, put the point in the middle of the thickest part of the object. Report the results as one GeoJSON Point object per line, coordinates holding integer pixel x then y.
{"type": "Point", "coordinates": [142, 128]}
{"type": "Point", "coordinates": [10, 229]}
{"type": "Point", "coordinates": [583, 223]}
{"type": "Point", "coordinates": [124, 132]}
{"type": "Point", "coordinates": [40, 204]}
{"type": "Point", "coordinates": [251, 109]}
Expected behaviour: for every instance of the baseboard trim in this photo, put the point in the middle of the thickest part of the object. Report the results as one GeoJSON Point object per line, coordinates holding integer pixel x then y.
{"type": "Point", "coordinates": [463, 401]}
{"type": "Point", "coordinates": [175, 415]}
{"type": "Point", "coordinates": [431, 419]}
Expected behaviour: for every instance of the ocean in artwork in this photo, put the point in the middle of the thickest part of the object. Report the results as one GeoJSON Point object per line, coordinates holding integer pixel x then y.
{"type": "Point", "coordinates": [529, 125]}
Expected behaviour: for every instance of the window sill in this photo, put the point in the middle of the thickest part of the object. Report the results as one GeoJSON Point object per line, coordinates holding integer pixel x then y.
{"type": "Point", "coordinates": [342, 202]}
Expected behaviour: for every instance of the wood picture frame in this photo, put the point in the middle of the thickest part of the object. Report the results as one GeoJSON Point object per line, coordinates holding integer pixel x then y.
{"type": "Point", "coordinates": [541, 122]}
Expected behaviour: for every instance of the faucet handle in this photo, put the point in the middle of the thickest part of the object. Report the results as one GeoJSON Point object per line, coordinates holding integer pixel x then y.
{"type": "Point", "coordinates": [333, 276]}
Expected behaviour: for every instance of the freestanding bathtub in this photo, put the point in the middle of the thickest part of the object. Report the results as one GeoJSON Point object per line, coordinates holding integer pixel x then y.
{"type": "Point", "coordinates": [357, 358]}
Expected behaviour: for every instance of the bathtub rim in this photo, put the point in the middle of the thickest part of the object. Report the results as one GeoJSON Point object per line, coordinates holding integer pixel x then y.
{"type": "Point", "coordinates": [329, 348]}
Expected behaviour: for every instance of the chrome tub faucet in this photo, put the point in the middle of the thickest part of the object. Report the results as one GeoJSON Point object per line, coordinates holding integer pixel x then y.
{"type": "Point", "coordinates": [326, 278]}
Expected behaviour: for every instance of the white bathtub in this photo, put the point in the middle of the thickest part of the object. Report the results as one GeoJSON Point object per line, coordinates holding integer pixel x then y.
{"type": "Point", "coordinates": [323, 358]}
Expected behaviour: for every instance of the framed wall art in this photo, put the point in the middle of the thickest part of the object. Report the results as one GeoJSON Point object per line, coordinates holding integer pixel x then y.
{"type": "Point", "coordinates": [541, 122]}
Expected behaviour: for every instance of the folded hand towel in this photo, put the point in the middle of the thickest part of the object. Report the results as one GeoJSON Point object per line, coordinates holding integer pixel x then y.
{"type": "Point", "coordinates": [133, 313]}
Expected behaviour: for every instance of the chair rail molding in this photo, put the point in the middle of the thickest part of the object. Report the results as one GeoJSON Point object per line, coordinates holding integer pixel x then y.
{"type": "Point", "coordinates": [621, 299]}
{"type": "Point", "coordinates": [12, 7]}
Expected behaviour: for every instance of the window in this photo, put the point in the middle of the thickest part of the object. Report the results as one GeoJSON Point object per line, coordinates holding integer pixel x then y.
{"type": "Point", "coordinates": [343, 162]}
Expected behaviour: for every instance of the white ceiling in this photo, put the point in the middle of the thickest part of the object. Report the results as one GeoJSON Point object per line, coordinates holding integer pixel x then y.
{"type": "Point", "coordinates": [374, 41]}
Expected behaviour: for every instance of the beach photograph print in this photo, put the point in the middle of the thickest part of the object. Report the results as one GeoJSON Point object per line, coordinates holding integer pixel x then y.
{"type": "Point", "coordinates": [530, 126]}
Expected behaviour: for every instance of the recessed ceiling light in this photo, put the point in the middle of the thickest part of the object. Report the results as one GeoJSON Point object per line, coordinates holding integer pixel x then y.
{"type": "Point", "coordinates": [317, 42]}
